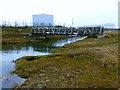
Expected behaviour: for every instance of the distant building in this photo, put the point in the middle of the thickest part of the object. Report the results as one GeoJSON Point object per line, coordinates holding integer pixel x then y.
{"type": "Point", "coordinates": [43, 20]}
{"type": "Point", "coordinates": [106, 25]}
{"type": "Point", "coordinates": [109, 25]}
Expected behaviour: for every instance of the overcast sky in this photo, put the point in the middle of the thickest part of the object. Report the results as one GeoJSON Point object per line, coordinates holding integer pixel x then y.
{"type": "Point", "coordinates": [83, 12]}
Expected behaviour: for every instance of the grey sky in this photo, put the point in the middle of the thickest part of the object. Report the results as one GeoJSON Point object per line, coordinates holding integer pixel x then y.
{"type": "Point", "coordinates": [83, 12]}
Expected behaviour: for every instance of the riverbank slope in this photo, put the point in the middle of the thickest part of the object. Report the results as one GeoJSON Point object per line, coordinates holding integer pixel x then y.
{"type": "Point", "coordinates": [90, 63]}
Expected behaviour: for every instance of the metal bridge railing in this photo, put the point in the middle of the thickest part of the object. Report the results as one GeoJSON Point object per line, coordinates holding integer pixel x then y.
{"type": "Point", "coordinates": [68, 30]}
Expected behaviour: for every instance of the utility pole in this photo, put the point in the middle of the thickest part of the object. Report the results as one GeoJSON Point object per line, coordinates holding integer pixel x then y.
{"type": "Point", "coordinates": [23, 23]}
{"type": "Point", "coordinates": [72, 22]}
{"type": "Point", "coordinates": [2, 23]}
{"type": "Point", "coordinates": [5, 23]}
{"type": "Point", "coordinates": [8, 23]}
{"type": "Point", "coordinates": [16, 24]}
{"type": "Point", "coordinates": [64, 24]}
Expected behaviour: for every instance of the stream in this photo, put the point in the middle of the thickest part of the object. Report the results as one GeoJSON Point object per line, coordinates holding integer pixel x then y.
{"type": "Point", "coordinates": [11, 52]}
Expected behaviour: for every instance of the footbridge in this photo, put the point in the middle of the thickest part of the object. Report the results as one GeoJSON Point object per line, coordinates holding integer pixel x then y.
{"type": "Point", "coordinates": [68, 30]}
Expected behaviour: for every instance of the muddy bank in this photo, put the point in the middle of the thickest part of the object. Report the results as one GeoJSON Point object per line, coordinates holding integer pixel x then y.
{"type": "Point", "coordinates": [91, 63]}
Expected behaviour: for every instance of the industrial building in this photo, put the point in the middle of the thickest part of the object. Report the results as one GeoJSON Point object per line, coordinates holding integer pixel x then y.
{"type": "Point", "coordinates": [43, 20]}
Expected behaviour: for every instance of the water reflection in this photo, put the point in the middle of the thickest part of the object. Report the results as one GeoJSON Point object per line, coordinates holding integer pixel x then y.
{"type": "Point", "coordinates": [67, 41]}
{"type": "Point", "coordinates": [41, 47]}
{"type": "Point", "coordinates": [14, 51]}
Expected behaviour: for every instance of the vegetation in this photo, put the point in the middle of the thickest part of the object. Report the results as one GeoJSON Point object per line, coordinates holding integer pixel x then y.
{"type": "Point", "coordinates": [16, 35]}
{"type": "Point", "coordinates": [91, 63]}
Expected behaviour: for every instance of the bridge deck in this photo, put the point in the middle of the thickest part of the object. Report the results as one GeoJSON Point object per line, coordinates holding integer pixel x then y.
{"type": "Point", "coordinates": [68, 30]}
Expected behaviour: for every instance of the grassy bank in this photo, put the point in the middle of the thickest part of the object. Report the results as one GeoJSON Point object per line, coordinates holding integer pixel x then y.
{"type": "Point", "coordinates": [91, 63]}
{"type": "Point", "coordinates": [15, 35]}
